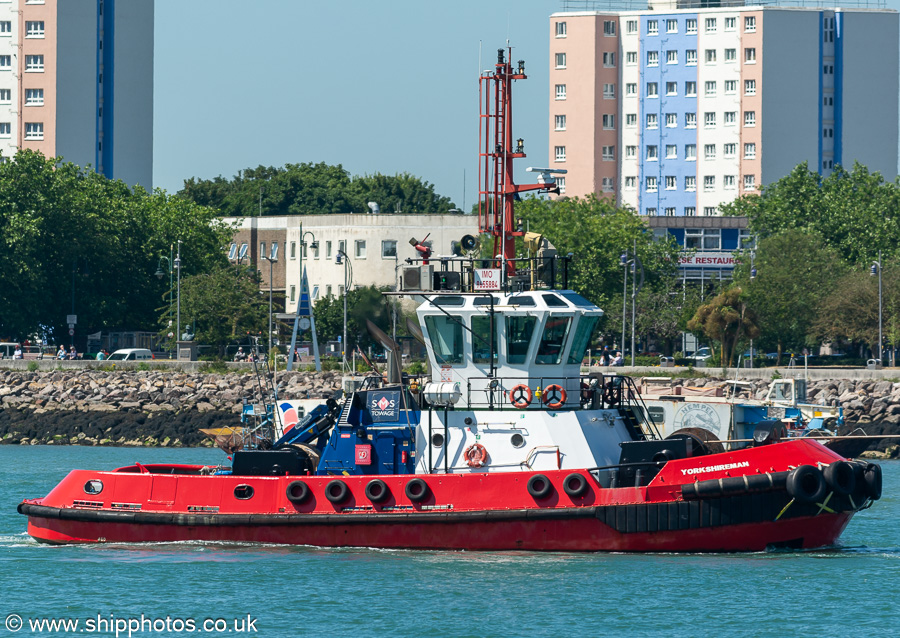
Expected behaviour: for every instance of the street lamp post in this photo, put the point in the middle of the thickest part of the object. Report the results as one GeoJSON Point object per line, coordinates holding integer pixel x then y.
{"type": "Point", "coordinates": [634, 263]}
{"type": "Point", "coordinates": [178, 302]}
{"type": "Point", "coordinates": [876, 268]}
{"type": "Point", "coordinates": [341, 257]}
{"type": "Point", "coordinates": [624, 262]}
{"type": "Point", "coordinates": [271, 259]}
{"type": "Point", "coordinates": [160, 274]}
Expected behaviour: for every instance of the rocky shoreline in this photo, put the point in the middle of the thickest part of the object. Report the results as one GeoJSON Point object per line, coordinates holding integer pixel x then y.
{"type": "Point", "coordinates": [161, 408]}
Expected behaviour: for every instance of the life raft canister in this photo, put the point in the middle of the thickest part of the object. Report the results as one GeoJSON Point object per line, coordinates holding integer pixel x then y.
{"type": "Point", "coordinates": [554, 396]}
{"type": "Point", "coordinates": [520, 396]}
{"type": "Point", "coordinates": [476, 455]}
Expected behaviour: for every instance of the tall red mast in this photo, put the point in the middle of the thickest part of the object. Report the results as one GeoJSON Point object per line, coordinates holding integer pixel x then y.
{"type": "Point", "coordinates": [497, 192]}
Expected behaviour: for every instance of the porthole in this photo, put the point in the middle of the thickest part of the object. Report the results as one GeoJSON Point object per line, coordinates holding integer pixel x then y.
{"type": "Point", "coordinates": [517, 440]}
{"type": "Point", "coordinates": [437, 439]}
{"type": "Point", "coordinates": [94, 486]}
{"type": "Point", "coordinates": [243, 492]}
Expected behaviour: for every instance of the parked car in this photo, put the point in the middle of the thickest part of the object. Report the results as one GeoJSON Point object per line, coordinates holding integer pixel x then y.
{"type": "Point", "coordinates": [700, 355]}
{"type": "Point", "coordinates": [131, 354]}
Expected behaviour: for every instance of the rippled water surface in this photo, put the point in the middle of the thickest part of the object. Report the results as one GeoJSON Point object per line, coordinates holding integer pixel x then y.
{"type": "Point", "coordinates": [302, 591]}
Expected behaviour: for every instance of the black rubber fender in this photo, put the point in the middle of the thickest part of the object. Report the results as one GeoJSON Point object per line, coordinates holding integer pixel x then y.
{"type": "Point", "coordinates": [840, 477]}
{"type": "Point", "coordinates": [806, 484]}
{"type": "Point", "coordinates": [337, 491]}
{"type": "Point", "coordinates": [539, 486]}
{"type": "Point", "coordinates": [377, 491]}
{"type": "Point", "coordinates": [873, 480]}
{"type": "Point", "coordinates": [417, 490]}
{"type": "Point", "coordinates": [297, 492]}
{"type": "Point", "coordinates": [575, 484]}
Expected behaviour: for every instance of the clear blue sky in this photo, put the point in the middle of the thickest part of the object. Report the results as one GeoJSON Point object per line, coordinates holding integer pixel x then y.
{"type": "Point", "coordinates": [388, 86]}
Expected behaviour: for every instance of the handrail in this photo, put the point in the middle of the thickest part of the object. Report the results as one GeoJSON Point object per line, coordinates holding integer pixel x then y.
{"type": "Point", "coordinates": [636, 400]}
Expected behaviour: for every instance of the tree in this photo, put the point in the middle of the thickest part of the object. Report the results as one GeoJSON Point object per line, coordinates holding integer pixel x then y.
{"type": "Point", "coordinates": [796, 272]}
{"type": "Point", "coordinates": [362, 303]}
{"type": "Point", "coordinates": [726, 319]}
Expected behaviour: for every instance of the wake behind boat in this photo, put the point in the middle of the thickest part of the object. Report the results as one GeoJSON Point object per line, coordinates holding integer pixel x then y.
{"type": "Point", "coordinates": [507, 445]}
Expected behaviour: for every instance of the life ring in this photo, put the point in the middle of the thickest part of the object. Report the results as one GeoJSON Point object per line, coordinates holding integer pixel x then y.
{"type": "Point", "coordinates": [554, 396]}
{"type": "Point", "coordinates": [520, 396]}
{"type": "Point", "coordinates": [840, 477]}
{"type": "Point", "coordinates": [806, 484]}
{"type": "Point", "coordinates": [539, 486]}
{"type": "Point", "coordinates": [297, 492]}
{"type": "Point", "coordinates": [476, 455]}
{"type": "Point", "coordinates": [377, 491]}
{"type": "Point", "coordinates": [337, 491]}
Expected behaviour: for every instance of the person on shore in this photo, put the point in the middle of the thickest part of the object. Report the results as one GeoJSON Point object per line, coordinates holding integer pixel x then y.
{"type": "Point", "coordinates": [618, 360]}
{"type": "Point", "coordinates": [72, 354]}
{"type": "Point", "coordinates": [605, 356]}
{"type": "Point", "coordinates": [101, 356]}
{"type": "Point", "coordinates": [18, 352]}
{"type": "Point", "coordinates": [61, 353]}
{"type": "Point", "coordinates": [239, 355]}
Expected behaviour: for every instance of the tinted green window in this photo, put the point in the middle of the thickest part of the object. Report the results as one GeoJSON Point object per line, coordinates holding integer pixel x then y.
{"type": "Point", "coordinates": [446, 334]}
{"type": "Point", "coordinates": [553, 341]}
{"type": "Point", "coordinates": [582, 339]}
{"type": "Point", "coordinates": [518, 337]}
{"type": "Point", "coordinates": [481, 340]}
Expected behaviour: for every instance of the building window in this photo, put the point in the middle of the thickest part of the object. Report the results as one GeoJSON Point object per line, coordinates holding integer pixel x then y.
{"type": "Point", "coordinates": [750, 55]}
{"type": "Point", "coordinates": [730, 24]}
{"type": "Point", "coordinates": [631, 58]}
{"type": "Point", "coordinates": [560, 91]}
{"type": "Point", "coordinates": [828, 132]}
{"type": "Point", "coordinates": [652, 89]}
{"type": "Point", "coordinates": [5, 62]}
{"type": "Point", "coordinates": [709, 151]}
{"type": "Point", "coordinates": [560, 122]}
{"type": "Point", "coordinates": [560, 60]}
{"type": "Point", "coordinates": [652, 27]}
{"type": "Point", "coordinates": [34, 29]}
{"type": "Point", "coordinates": [690, 152]}
{"type": "Point", "coordinates": [652, 58]}
{"type": "Point", "coordinates": [293, 294]}
{"type": "Point", "coordinates": [703, 238]}
{"type": "Point", "coordinates": [746, 239]}
{"type": "Point", "coordinates": [690, 89]}
{"type": "Point", "coordinates": [652, 152]}
{"type": "Point", "coordinates": [652, 120]}
{"type": "Point", "coordinates": [670, 212]}
{"type": "Point", "coordinates": [5, 96]}
{"type": "Point", "coordinates": [560, 153]}
{"type": "Point", "coordinates": [750, 151]}
{"type": "Point", "coordinates": [262, 249]}
{"type": "Point", "coordinates": [690, 57]}
{"type": "Point", "coordinates": [388, 249]}
{"type": "Point", "coordinates": [651, 212]}
{"type": "Point", "coordinates": [293, 250]}
{"type": "Point", "coordinates": [671, 182]}
{"type": "Point", "coordinates": [560, 29]}
{"type": "Point", "coordinates": [671, 151]}
{"type": "Point", "coordinates": [749, 118]}
{"type": "Point", "coordinates": [631, 89]}
{"type": "Point", "coordinates": [315, 251]}
{"type": "Point", "coordinates": [749, 87]}
{"type": "Point", "coordinates": [34, 63]}
{"type": "Point", "coordinates": [729, 150]}
{"type": "Point", "coordinates": [671, 120]}
{"type": "Point", "coordinates": [561, 183]}
{"type": "Point", "coordinates": [710, 25]}
{"type": "Point", "coordinates": [690, 26]}
{"type": "Point", "coordinates": [710, 211]}
{"type": "Point", "coordinates": [630, 183]}
{"type": "Point", "coordinates": [631, 27]}
{"type": "Point", "coordinates": [609, 91]}
{"type": "Point", "coordinates": [342, 246]}
{"type": "Point", "coordinates": [690, 211]}
{"type": "Point", "coordinates": [609, 153]}
{"type": "Point", "coordinates": [731, 55]}
{"type": "Point", "coordinates": [6, 27]}
{"type": "Point", "coordinates": [671, 88]}
{"type": "Point", "coordinates": [749, 182]}
{"type": "Point", "coordinates": [609, 27]}
{"type": "Point", "coordinates": [630, 152]}
{"type": "Point", "coordinates": [690, 183]}
{"type": "Point", "coordinates": [609, 121]}
{"type": "Point", "coordinates": [652, 185]}
{"type": "Point", "coordinates": [828, 101]}
{"type": "Point", "coordinates": [710, 88]}
{"type": "Point", "coordinates": [608, 186]}
{"type": "Point", "coordinates": [672, 57]}
{"type": "Point", "coordinates": [5, 129]}
{"type": "Point", "coordinates": [328, 291]}
{"type": "Point", "coordinates": [709, 119]}
{"type": "Point", "coordinates": [34, 131]}
{"type": "Point", "coordinates": [34, 97]}
{"type": "Point", "coordinates": [359, 248]}
{"type": "Point", "coordinates": [828, 69]}
{"type": "Point", "coordinates": [630, 119]}
{"type": "Point", "coordinates": [728, 181]}
{"type": "Point", "coordinates": [750, 24]}
{"type": "Point", "coordinates": [710, 56]}
{"type": "Point", "coordinates": [609, 59]}
{"type": "Point", "coordinates": [730, 87]}
{"type": "Point", "coordinates": [690, 120]}
{"type": "Point", "coordinates": [327, 250]}
{"type": "Point", "coordinates": [729, 118]}
{"type": "Point", "coordinates": [671, 26]}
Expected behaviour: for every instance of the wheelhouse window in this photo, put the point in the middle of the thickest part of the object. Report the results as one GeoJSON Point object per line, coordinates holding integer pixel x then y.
{"type": "Point", "coordinates": [483, 351]}
{"type": "Point", "coordinates": [446, 335]}
{"type": "Point", "coordinates": [519, 330]}
{"type": "Point", "coordinates": [553, 341]}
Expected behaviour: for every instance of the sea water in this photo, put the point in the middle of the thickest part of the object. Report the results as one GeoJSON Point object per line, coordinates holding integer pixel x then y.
{"type": "Point", "coordinates": [219, 589]}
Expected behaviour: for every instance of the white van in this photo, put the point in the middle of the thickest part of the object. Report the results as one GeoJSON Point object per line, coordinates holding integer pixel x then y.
{"type": "Point", "coordinates": [131, 354]}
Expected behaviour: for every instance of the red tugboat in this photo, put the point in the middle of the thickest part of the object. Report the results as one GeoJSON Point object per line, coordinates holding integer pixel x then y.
{"type": "Point", "coordinates": [507, 445]}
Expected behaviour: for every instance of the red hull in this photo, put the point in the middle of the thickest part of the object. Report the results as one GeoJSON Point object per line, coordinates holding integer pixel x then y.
{"type": "Point", "coordinates": [475, 511]}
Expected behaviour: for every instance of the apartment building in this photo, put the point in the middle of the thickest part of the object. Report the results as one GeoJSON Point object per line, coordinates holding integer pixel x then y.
{"type": "Point", "coordinates": [76, 81]}
{"type": "Point", "coordinates": [677, 107]}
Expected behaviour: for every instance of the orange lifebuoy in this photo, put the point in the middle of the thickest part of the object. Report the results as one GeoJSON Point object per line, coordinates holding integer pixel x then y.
{"type": "Point", "coordinates": [554, 396]}
{"type": "Point", "coordinates": [476, 455]}
{"type": "Point", "coordinates": [520, 396]}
